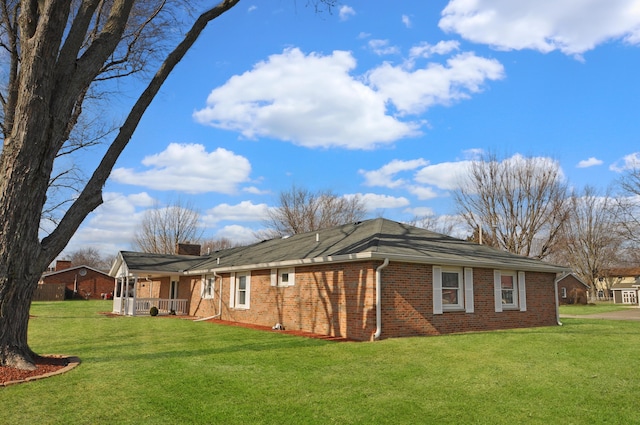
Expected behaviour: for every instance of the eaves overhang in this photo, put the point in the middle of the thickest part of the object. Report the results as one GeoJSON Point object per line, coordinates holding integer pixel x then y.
{"type": "Point", "coordinates": [446, 261]}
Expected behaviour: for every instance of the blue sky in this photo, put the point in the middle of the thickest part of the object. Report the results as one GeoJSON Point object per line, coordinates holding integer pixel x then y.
{"type": "Point", "coordinates": [388, 103]}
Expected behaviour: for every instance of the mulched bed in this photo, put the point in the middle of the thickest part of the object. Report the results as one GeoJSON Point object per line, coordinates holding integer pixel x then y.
{"type": "Point", "coordinates": [45, 366]}
{"type": "Point", "coordinates": [290, 332]}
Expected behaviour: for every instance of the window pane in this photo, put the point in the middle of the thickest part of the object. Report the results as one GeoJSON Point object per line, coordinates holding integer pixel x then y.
{"type": "Point", "coordinates": [285, 277]}
{"type": "Point", "coordinates": [242, 297]}
{"type": "Point", "coordinates": [507, 282]}
{"type": "Point", "coordinates": [242, 283]}
{"type": "Point", "coordinates": [449, 296]}
{"type": "Point", "coordinates": [449, 280]}
{"type": "Point", "coordinates": [507, 297]}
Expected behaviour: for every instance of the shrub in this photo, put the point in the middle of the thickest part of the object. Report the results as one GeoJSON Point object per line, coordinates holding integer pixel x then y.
{"type": "Point", "coordinates": [153, 311]}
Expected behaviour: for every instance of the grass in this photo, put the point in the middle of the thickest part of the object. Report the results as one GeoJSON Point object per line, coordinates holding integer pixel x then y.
{"type": "Point", "coordinates": [148, 370]}
{"type": "Point", "coordinates": [593, 308]}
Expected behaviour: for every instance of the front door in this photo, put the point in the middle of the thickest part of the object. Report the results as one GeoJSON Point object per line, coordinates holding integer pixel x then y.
{"type": "Point", "coordinates": [628, 297]}
{"type": "Point", "coordinates": [173, 294]}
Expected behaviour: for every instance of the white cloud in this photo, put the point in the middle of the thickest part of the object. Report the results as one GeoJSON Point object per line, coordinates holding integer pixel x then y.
{"type": "Point", "coordinates": [385, 175]}
{"type": "Point", "coordinates": [252, 8]}
{"type": "Point", "coordinates": [422, 193]}
{"type": "Point", "coordinates": [420, 211]}
{"type": "Point", "coordinates": [189, 168]}
{"type": "Point", "coordinates": [313, 101]}
{"type": "Point", "coordinates": [110, 228]}
{"type": "Point", "coordinates": [383, 47]}
{"type": "Point", "coordinates": [374, 201]}
{"type": "Point", "coordinates": [571, 26]}
{"type": "Point", "coordinates": [413, 92]}
{"type": "Point", "coordinates": [346, 12]}
{"type": "Point", "coordinates": [310, 100]}
{"type": "Point", "coordinates": [237, 234]}
{"type": "Point", "coordinates": [473, 153]}
{"type": "Point", "coordinates": [585, 163]}
{"type": "Point", "coordinates": [406, 20]}
{"type": "Point", "coordinates": [426, 50]}
{"type": "Point", "coordinates": [628, 162]}
{"type": "Point", "coordinates": [244, 211]}
{"type": "Point", "coordinates": [445, 175]}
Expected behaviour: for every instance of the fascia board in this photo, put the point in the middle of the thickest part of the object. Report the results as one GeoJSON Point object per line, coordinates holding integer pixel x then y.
{"type": "Point", "coordinates": [381, 256]}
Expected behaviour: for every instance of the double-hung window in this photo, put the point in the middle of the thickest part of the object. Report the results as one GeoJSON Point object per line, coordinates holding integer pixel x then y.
{"type": "Point", "coordinates": [452, 289]}
{"type": "Point", "coordinates": [509, 290]}
{"type": "Point", "coordinates": [240, 294]}
{"type": "Point", "coordinates": [208, 283]}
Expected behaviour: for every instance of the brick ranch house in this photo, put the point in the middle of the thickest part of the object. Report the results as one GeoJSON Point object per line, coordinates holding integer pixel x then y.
{"type": "Point", "coordinates": [79, 281]}
{"type": "Point", "coordinates": [572, 290]}
{"type": "Point", "coordinates": [362, 281]}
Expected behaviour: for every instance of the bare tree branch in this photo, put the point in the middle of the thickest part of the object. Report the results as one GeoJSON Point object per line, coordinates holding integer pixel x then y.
{"type": "Point", "coordinates": [301, 210]}
{"type": "Point", "coordinates": [520, 203]}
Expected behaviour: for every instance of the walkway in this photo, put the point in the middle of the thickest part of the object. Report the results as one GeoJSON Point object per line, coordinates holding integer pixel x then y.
{"type": "Point", "coordinates": [627, 314]}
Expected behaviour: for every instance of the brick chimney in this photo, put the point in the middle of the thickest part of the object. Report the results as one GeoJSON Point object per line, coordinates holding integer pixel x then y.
{"type": "Point", "coordinates": [188, 249]}
{"type": "Point", "coordinates": [62, 264]}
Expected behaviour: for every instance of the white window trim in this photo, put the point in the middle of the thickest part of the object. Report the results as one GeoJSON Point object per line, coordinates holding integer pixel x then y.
{"type": "Point", "coordinates": [207, 281]}
{"type": "Point", "coordinates": [437, 290]}
{"type": "Point", "coordinates": [465, 294]}
{"type": "Point", "coordinates": [276, 277]}
{"type": "Point", "coordinates": [468, 290]}
{"type": "Point", "coordinates": [519, 291]}
{"type": "Point", "coordinates": [233, 293]}
{"type": "Point", "coordinates": [460, 289]}
{"type": "Point", "coordinates": [564, 292]}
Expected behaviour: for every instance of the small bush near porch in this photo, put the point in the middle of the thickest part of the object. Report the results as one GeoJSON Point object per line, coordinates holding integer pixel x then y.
{"type": "Point", "coordinates": [153, 370]}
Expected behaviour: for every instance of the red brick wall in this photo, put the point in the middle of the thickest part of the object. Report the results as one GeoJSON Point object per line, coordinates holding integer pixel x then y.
{"type": "Point", "coordinates": [576, 291]}
{"type": "Point", "coordinates": [339, 300]}
{"type": "Point", "coordinates": [91, 285]}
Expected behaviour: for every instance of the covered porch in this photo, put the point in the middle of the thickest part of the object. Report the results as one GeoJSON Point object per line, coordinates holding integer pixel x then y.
{"type": "Point", "coordinates": [133, 296]}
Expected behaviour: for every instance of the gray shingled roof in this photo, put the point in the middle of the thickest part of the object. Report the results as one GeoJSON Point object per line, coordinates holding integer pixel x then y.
{"type": "Point", "coordinates": [378, 239]}
{"type": "Point", "coordinates": [142, 262]}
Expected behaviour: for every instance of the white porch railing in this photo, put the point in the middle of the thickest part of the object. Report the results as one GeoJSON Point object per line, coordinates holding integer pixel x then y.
{"type": "Point", "coordinates": [164, 306]}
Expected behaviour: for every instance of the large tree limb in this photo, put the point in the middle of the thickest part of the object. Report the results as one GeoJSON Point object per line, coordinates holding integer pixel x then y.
{"type": "Point", "coordinates": [91, 197]}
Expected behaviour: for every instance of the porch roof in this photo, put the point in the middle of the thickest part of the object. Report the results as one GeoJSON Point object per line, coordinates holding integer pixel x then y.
{"type": "Point", "coordinates": [148, 263]}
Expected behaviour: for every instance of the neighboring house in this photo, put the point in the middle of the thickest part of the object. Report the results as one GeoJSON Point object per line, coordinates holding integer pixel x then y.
{"type": "Point", "coordinates": [624, 284]}
{"type": "Point", "coordinates": [572, 289]}
{"type": "Point", "coordinates": [79, 281]}
{"type": "Point", "coordinates": [362, 281]}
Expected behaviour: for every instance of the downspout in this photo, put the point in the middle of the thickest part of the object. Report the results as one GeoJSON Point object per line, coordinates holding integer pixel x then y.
{"type": "Point", "coordinates": [555, 285]}
{"type": "Point", "coordinates": [202, 319]}
{"type": "Point", "coordinates": [379, 298]}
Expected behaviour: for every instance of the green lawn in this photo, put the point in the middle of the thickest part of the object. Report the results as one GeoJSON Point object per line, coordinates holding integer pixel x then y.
{"type": "Point", "coordinates": [148, 370]}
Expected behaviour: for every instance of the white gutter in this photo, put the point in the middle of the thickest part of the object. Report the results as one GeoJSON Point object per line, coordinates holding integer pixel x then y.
{"type": "Point", "coordinates": [466, 261]}
{"type": "Point", "coordinates": [555, 286]}
{"type": "Point", "coordinates": [379, 298]}
{"type": "Point", "coordinates": [215, 276]}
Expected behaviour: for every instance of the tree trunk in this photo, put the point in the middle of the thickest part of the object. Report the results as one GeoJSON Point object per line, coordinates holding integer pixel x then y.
{"type": "Point", "coordinates": [52, 75]}
{"type": "Point", "coordinates": [15, 302]}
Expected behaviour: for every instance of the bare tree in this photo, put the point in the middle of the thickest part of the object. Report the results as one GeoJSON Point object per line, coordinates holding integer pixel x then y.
{"type": "Point", "coordinates": [56, 54]}
{"type": "Point", "coordinates": [301, 210]}
{"type": "Point", "coordinates": [90, 257]}
{"type": "Point", "coordinates": [163, 228]}
{"type": "Point", "coordinates": [217, 244]}
{"type": "Point", "coordinates": [629, 203]}
{"type": "Point", "coordinates": [518, 204]}
{"type": "Point", "coordinates": [590, 240]}
{"type": "Point", "coordinates": [445, 224]}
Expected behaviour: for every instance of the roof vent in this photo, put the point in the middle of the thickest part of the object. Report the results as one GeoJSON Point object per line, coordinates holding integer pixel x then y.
{"type": "Point", "coordinates": [317, 237]}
